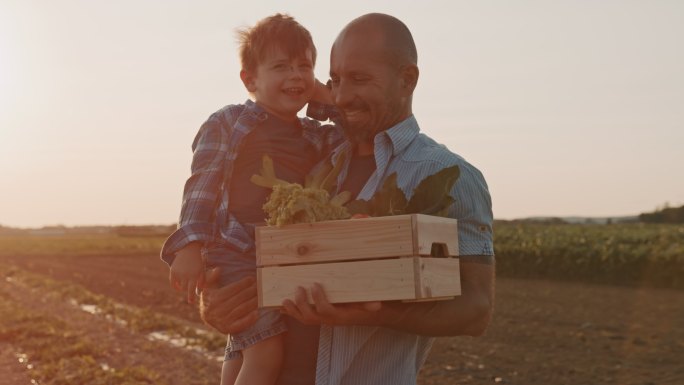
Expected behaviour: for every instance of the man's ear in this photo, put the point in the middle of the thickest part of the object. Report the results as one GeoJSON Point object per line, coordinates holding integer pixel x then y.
{"type": "Point", "coordinates": [409, 78]}
{"type": "Point", "coordinates": [248, 80]}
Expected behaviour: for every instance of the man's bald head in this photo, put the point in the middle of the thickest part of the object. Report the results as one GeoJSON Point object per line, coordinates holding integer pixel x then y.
{"type": "Point", "coordinates": [373, 73]}
{"type": "Point", "coordinates": [391, 33]}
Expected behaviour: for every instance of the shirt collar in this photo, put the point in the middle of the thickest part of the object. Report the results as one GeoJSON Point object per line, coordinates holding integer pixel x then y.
{"type": "Point", "coordinates": [254, 114]}
{"type": "Point", "coordinates": [400, 135]}
{"type": "Point", "coordinates": [250, 116]}
{"type": "Point", "coordinates": [255, 110]}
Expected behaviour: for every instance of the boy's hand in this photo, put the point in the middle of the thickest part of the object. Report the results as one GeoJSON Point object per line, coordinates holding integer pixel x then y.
{"type": "Point", "coordinates": [187, 270]}
{"type": "Point", "coordinates": [322, 94]}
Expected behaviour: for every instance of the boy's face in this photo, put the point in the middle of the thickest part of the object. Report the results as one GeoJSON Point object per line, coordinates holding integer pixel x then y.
{"type": "Point", "coordinates": [281, 84]}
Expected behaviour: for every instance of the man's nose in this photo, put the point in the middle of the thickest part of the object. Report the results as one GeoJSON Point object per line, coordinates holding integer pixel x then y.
{"type": "Point", "coordinates": [341, 94]}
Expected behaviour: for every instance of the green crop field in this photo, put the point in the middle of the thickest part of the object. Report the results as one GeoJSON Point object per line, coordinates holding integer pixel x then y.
{"type": "Point", "coordinates": [631, 254]}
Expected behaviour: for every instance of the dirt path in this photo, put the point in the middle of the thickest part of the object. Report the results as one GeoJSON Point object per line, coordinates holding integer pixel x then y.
{"type": "Point", "coordinates": [12, 372]}
{"type": "Point", "coordinates": [543, 332]}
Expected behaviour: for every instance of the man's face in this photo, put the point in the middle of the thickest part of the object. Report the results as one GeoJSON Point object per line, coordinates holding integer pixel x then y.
{"type": "Point", "coordinates": [281, 84]}
{"type": "Point", "coordinates": [366, 87]}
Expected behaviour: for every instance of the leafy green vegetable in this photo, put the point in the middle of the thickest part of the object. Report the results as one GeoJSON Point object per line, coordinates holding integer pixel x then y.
{"type": "Point", "coordinates": [293, 203]}
{"type": "Point", "coordinates": [388, 200]}
{"type": "Point", "coordinates": [432, 194]}
{"type": "Point", "coordinates": [430, 197]}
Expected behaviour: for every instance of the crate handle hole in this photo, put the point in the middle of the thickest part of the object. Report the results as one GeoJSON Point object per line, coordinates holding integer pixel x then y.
{"type": "Point", "coordinates": [439, 250]}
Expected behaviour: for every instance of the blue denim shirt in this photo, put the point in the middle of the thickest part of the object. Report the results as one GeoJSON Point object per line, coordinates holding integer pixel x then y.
{"type": "Point", "coordinates": [371, 355]}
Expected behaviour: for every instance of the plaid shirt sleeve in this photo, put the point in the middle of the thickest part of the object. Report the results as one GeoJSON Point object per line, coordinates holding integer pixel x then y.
{"type": "Point", "coordinates": [333, 136]}
{"type": "Point", "coordinates": [330, 135]}
{"type": "Point", "coordinates": [202, 189]}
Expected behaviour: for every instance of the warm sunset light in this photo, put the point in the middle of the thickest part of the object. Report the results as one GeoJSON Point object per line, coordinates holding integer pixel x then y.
{"type": "Point", "coordinates": [8, 66]}
{"type": "Point", "coordinates": [505, 206]}
{"type": "Point", "coordinates": [567, 108]}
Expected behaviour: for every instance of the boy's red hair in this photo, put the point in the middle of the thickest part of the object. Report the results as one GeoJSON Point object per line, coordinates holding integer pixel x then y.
{"type": "Point", "coordinates": [279, 30]}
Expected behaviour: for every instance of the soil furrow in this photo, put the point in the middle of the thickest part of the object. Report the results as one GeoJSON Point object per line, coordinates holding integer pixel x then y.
{"type": "Point", "coordinates": [119, 347]}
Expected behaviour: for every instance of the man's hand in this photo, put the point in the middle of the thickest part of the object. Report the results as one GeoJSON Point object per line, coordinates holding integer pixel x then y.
{"type": "Point", "coordinates": [229, 309]}
{"type": "Point", "coordinates": [467, 314]}
{"type": "Point", "coordinates": [323, 312]}
{"type": "Point", "coordinates": [187, 270]}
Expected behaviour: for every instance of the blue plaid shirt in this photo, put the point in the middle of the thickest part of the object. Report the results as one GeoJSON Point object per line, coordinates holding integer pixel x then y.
{"type": "Point", "coordinates": [358, 355]}
{"type": "Point", "coordinates": [204, 213]}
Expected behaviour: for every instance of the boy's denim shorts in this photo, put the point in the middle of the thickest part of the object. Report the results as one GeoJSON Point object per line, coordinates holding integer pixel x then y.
{"type": "Point", "coordinates": [235, 266]}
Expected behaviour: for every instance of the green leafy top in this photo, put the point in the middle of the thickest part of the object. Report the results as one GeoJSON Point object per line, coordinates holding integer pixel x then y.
{"type": "Point", "coordinates": [430, 197]}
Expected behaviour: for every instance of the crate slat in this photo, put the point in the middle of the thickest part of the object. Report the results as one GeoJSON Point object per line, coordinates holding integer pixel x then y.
{"type": "Point", "coordinates": [408, 278]}
{"type": "Point", "coordinates": [354, 239]}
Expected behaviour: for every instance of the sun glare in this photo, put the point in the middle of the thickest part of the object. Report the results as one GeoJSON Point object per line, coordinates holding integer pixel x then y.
{"type": "Point", "coordinates": [8, 89]}
{"type": "Point", "coordinates": [7, 58]}
{"type": "Point", "coordinates": [5, 87]}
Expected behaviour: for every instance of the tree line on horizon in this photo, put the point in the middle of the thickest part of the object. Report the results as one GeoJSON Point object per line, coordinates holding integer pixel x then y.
{"type": "Point", "coordinates": [664, 215]}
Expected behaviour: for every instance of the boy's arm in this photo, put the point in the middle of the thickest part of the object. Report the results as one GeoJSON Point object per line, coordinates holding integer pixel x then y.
{"type": "Point", "coordinates": [322, 108]}
{"type": "Point", "coordinates": [202, 189]}
{"type": "Point", "coordinates": [322, 111]}
{"type": "Point", "coordinates": [322, 105]}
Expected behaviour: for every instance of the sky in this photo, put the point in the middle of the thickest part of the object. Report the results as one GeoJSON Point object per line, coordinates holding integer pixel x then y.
{"type": "Point", "coordinates": [569, 108]}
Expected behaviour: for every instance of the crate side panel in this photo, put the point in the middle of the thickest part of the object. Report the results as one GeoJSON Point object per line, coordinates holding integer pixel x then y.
{"type": "Point", "coordinates": [438, 277]}
{"type": "Point", "coordinates": [440, 230]}
{"type": "Point", "coordinates": [374, 280]}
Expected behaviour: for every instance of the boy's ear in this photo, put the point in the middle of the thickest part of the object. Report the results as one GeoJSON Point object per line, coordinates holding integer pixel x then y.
{"type": "Point", "coordinates": [248, 80]}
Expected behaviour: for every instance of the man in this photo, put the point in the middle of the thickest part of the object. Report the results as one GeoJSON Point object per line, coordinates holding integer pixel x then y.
{"type": "Point", "coordinates": [373, 70]}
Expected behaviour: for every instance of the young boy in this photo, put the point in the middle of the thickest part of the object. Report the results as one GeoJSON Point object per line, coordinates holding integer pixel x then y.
{"type": "Point", "coordinates": [220, 204]}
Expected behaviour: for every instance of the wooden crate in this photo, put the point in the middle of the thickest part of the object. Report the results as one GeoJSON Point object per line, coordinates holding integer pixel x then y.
{"type": "Point", "coordinates": [371, 259]}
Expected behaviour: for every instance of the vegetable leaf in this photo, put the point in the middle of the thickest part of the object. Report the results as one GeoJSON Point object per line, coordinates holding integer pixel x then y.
{"type": "Point", "coordinates": [430, 197]}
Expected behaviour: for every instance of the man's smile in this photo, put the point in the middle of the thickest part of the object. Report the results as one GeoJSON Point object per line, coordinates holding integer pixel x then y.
{"type": "Point", "coordinates": [354, 115]}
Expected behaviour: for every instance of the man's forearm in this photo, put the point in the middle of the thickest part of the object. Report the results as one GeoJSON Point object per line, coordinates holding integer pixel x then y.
{"type": "Point", "coordinates": [467, 314]}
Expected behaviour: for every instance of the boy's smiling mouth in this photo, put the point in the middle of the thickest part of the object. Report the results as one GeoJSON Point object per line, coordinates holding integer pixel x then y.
{"type": "Point", "coordinates": [294, 90]}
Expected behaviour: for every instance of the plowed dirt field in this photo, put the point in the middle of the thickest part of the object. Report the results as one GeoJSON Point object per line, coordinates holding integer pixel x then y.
{"type": "Point", "coordinates": [543, 332]}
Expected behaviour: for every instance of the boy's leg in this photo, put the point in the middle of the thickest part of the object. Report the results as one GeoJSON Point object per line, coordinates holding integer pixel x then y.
{"type": "Point", "coordinates": [230, 371]}
{"type": "Point", "coordinates": [262, 361]}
